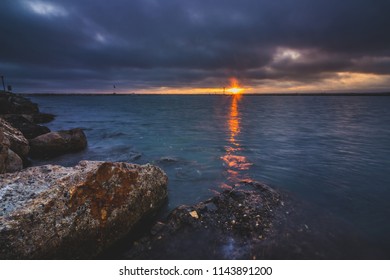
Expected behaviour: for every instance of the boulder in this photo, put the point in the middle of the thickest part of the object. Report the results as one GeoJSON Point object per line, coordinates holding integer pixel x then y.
{"type": "Point", "coordinates": [4, 146]}
{"type": "Point", "coordinates": [58, 143]}
{"type": "Point", "coordinates": [9, 161]}
{"type": "Point", "coordinates": [15, 104]}
{"type": "Point", "coordinates": [17, 142]}
{"type": "Point", "coordinates": [235, 224]}
{"type": "Point", "coordinates": [42, 118]}
{"type": "Point", "coordinates": [13, 162]}
{"type": "Point", "coordinates": [23, 122]}
{"type": "Point", "coordinates": [75, 212]}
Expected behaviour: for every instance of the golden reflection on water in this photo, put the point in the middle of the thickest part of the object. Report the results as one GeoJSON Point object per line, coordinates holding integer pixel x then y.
{"type": "Point", "coordinates": [235, 163]}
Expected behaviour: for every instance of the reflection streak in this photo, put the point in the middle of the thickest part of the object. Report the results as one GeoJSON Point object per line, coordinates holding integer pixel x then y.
{"type": "Point", "coordinates": [233, 161]}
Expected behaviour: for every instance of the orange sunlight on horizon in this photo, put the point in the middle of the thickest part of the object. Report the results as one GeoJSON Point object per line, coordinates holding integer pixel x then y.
{"type": "Point", "coordinates": [235, 87]}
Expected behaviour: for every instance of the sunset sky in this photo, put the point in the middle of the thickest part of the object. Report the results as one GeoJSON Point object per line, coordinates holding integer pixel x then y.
{"type": "Point", "coordinates": [195, 46]}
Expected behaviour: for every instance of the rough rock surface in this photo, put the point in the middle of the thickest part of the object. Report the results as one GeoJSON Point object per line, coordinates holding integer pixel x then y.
{"type": "Point", "coordinates": [9, 161]}
{"type": "Point", "coordinates": [25, 125]}
{"type": "Point", "coordinates": [13, 162]}
{"type": "Point", "coordinates": [57, 143]}
{"type": "Point", "coordinates": [18, 143]}
{"type": "Point", "coordinates": [57, 212]}
{"type": "Point", "coordinates": [227, 226]}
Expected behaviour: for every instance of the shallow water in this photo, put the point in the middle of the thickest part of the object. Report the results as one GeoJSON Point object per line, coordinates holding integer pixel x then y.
{"type": "Point", "coordinates": [332, 152]}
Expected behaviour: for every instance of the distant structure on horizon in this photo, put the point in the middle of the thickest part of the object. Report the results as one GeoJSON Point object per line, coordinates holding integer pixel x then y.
{"type": "Point", "coordinates": [2, 80]}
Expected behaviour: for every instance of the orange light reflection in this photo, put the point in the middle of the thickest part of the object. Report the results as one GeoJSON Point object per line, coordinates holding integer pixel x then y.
{"type": "Point", "coordinates": [234, 162]}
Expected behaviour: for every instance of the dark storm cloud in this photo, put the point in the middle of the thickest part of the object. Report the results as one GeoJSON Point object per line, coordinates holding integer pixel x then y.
{"type": "Point", "coordinates": [90, 44]}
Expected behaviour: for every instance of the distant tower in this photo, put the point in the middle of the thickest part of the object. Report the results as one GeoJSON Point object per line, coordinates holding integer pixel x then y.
{"type": "Point", "coordinates": [224, 90]}
{"type": "Point", "coordinates": [114, 89]}
{"type": "Point", "coordinates": [2, 79]}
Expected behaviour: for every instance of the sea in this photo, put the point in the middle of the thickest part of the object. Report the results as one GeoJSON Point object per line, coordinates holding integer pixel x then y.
{"type": "Point", "coordinates": [330, 153]}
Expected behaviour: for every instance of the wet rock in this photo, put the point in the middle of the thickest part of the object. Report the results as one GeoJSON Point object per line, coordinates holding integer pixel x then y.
{"type": "Point", "coordinates": [15, 104]}
{"type": "Point", "coordinates": [17, 142]}
{"type": "Point", "coordinates": [252, 221]}
{"type": "Point", "coordinates": [58, 143]}
{"type": "Point", "coordinates": [25, 125]}
{"type": "Point", "coordinates": [56, 212]}
{"type": "Point", "coordinates": [228, 225]}
{"type": "Point", "coordinates": [167, 160]}
{"type": "Point", "coordinates": [42, 118]}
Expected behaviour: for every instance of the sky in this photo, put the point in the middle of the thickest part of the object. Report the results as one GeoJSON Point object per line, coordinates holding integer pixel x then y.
{"type": "Point", "coordinates": [195, 46]}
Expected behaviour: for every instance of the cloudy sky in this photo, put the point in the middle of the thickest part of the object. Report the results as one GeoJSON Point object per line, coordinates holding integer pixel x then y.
{"type": "Point", "coordinates": [195, 45]}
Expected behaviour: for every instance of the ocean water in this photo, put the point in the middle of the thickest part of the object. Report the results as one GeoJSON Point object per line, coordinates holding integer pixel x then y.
{"type": "Point", "coordinates": [330, 152]}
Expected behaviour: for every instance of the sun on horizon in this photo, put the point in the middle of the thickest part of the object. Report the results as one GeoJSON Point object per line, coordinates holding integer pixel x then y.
{"type": "Point", "coordinates": [235, 87]}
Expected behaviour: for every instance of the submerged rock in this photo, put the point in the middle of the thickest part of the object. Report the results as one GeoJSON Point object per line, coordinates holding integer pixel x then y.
{"type": "Point", "coordinates": [228, 226]}
{"type": "Point", "coordinates": [251, 221]}
{"type": "Point", "coordinates": [56, 212]}
{"type": "Point", "coordinates": [58, 143]}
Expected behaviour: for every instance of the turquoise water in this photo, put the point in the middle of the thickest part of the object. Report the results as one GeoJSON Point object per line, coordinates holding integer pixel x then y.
{"type": "Point", "coordinates": [330, 151]}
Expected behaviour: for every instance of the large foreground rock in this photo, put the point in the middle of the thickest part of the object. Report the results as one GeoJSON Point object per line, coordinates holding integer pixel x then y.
{"type": "Point", "coordinates": [57, 143]}
{"type": "Point", "coordinates": [57, 212]}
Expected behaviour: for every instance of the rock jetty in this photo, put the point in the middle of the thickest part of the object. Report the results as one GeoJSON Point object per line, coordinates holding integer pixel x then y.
{"type": "Point", "coordinates": [50, 211]}
{"type": "Point", "coordinates": [23, 114]}
{"type": "Point", "coordinates": [22, 137]}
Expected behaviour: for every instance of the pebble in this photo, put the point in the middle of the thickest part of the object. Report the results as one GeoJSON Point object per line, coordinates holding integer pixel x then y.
{"type": "Point", "coordinates": [194, 214]}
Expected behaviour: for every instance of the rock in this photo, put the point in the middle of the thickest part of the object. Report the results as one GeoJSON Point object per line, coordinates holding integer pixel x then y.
{"type": "Point", "coordinates": [42, 118]}
{"type": "Point", "coordinates": [13, 163]}
{"type": "Point", "coordinates": [250, 222]}
{"type": "Point", "coordinates": [9, 161]}
{"type": "Point", "coordinates": [226, 226]}
{"type": "Point", "coordinates": [15, 104]}
{"type": "Point", "coordinates": [58, 143]}
{"type": "Point", "coordinates": [18, 143]}
{"type": "Point", "coordinates": [76, 212]}
{"type": "Point", "coordinates": [4, 146]}
{"type": "Point", "coordinates": [29, 129]}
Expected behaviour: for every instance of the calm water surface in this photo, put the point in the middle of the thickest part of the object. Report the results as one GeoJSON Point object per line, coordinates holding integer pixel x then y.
{"type": "Point", "coordinates": [331, 152]}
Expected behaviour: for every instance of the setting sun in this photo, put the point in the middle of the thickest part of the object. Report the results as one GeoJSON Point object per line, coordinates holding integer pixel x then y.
{"type": "Point", "coordinates": [234, 87]}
